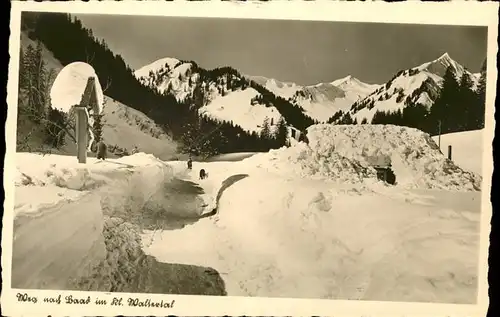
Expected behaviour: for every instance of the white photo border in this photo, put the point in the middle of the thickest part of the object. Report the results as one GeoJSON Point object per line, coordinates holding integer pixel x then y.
{"type": "Point", "coordinates": [463, 13]}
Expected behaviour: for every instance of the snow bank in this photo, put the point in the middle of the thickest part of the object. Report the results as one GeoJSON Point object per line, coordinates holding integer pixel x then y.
{"type": "Point", "coordinates": [346, 154]}
{"type": "Point", "coordinates": [120, 268]}
{"type": "Point", "coordinates": [415, 158]}
{"type": "Point", "coordinates": [64, 216]}
{"type": "Point", "coordinates": [312, 163]}
{"type": "Point", "coordinates": [300, 238]}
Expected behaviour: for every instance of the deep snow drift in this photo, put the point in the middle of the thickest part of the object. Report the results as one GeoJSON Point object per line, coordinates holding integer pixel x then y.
{"type": "Point", "coordinates": [283, 234]}
{"type": "Point", "coordinates": [63, 210]}
{"type": "Point", "coordinates": [346, 154]}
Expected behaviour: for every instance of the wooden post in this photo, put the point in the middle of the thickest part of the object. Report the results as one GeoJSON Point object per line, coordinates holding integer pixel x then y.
{"type": "Point", "coordinates": [82, 126]}
{"type": "Point", "coordinates": [449, 152]}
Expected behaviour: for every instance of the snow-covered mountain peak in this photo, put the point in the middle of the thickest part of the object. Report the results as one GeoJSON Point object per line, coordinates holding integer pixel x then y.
{"type": "Point", "coordinates": [347, 79]}
{"type": "Point", "coordinates": [169, 75]}
{"type": "Point", "coordinates": [417, 85]}
{"type": "Point", "coordinates": [351, 83]}
{"type": "Point", "coordinates": [441, 64]}
{"type": "Point", "coordinates": [283, 89]}
{"type": "Point", "coordinates": [157, 65]}
{"type": "Point", "coordinates": [445, 57]}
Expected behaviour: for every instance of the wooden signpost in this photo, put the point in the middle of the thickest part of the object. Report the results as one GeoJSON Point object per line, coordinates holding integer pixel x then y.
{"type": "Point", "coordinates": [89, 101]}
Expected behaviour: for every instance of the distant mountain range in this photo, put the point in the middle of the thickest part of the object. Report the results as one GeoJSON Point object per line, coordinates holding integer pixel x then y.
{"type": "Point", "coordinates": [319, 102]}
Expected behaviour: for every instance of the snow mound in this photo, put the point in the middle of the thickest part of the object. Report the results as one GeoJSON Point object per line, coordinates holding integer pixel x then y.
{"type": "Point", "coordinates": [415, 158]}
{"type": "Point", "coordinates": [61, 178]}
{"type": "Point", "coordinates": [69, 85]}
{"type": "Point", "coordinates": [308, 162]}
{"type": "Point", "coordinates": [349, 153]}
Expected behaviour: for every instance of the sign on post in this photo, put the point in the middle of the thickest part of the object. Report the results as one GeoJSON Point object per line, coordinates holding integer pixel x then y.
{"type": "Point", "coordinates": [78, 92]}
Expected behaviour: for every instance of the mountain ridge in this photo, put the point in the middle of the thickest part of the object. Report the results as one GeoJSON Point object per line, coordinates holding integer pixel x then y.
{"type": "Point", "coordinates": [415, 85]}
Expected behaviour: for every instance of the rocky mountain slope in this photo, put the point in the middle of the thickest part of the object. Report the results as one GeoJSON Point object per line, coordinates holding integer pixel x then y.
{"type": "Point", "coordinates": [417, 85]}
{"type": "Point", "coordinates": [246, 107]}
{"type": "Point", "coordinates": [222, 94]}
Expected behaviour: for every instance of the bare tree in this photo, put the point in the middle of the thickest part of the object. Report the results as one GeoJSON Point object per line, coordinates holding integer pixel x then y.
{"type": "Point", "coordinates": [88, 58]}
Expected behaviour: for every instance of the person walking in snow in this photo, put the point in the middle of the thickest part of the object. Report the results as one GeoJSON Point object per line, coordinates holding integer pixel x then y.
{"type": "Point", "coordinates": [190, 163]}
{"type": "Point", "coordinates": [101, 150]}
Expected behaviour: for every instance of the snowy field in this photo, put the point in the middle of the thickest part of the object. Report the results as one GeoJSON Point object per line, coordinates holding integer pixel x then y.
{"type": "Point", "coordinates": [309, 221]}
{"type": "Point", "coordinates": [292, 237]}
{"type": "Point", "coordinates": [467, 149]}
{"type": "Point", "coordinates": [283, 231]}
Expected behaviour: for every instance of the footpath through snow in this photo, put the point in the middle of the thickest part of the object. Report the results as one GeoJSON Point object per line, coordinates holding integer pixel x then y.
{"type": "Point", "coordinates": [296, 237]}
{"type": "Point", "coordinates": [80, 226]}
{"type": "Point", "coordinates": [311, 221]}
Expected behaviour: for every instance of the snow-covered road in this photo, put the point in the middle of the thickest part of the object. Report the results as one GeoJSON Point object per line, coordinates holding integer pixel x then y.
{"type": "Point", "coordinates": [293, 237]}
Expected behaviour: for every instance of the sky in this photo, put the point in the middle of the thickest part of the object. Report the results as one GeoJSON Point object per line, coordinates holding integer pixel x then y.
{"type": "Point", "coordinates": [304, 52]}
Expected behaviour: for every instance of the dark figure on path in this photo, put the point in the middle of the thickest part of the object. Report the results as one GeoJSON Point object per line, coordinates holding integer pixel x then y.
{"type": "Point", "coordinates": [101, 150]}
{"type": "Point", "coordinates": [203, 174]}
{"type": "Point", "coordinates": [190, 163]}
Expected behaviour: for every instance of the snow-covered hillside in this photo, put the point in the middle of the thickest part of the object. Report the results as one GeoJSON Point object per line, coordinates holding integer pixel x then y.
{"type": "Point", "coordinates": [123, 126]}
{"type": "Point", "coordinates": [169, 75]}
{"type": "Point", "coordinates": [320, 101]}
{"type": "Point", "coordinates": [467, 149]}
{"type": "Point", "coordinates": [420, 84]}
{"type": "Point", "coordinates": [235, 107]}
{"type": "Point", "coordinates": [222, 95]}
{"type": "Point", "coordinates": [128, 128]}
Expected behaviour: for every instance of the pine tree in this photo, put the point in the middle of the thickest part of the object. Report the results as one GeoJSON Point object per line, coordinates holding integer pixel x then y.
{"type": "Point", "coordinates": [29, 74]}
{"type": "Point", "coordinates": [39, 83]}
{"type": "Point", "coordinates": [55, 131]}
{"type": "Point", "coordinates": [442, 110]}
{"type": "Point", "coordinates": [481, 87]}
{"type": "Point", "coordinates": [463, 107]}
{"type": "Point", "coordinates": [97, 127]}
{"type": "Point", "coordinates": [479, 110]}
{"type": "Point", "coordinates": [281, 133]}
{"type": "Point", "coordinates": [266, 129]}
